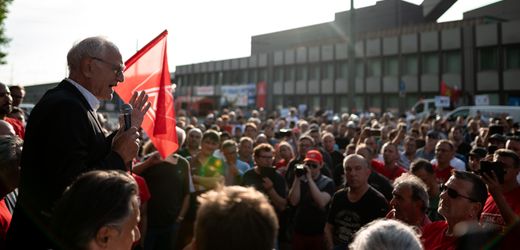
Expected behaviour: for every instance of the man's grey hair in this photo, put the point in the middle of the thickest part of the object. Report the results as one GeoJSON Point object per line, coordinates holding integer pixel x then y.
{"type": "Point", "coordinates": [181, 136]}
{"type": "Point", "coordinates": [195, 130]}
{"type": "Point", "coordinates": [385, 234]}
{"type": "Point", "coordinates": [10, 151]}
{"type": "Point", "coordinates": [356, 156]}
{"type": "Point", "coordinates": [418, 187]}
{"type": "Point", "coordinates": [88, 47]}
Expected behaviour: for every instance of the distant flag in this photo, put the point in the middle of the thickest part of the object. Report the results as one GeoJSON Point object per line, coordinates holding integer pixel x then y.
{"type": "Point", "coordinates": [452, 92]}
{"type": "Point", "coordinates": [148, 70]}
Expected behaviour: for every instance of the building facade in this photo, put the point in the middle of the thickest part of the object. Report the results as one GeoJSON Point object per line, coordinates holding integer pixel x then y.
{"type": "Point", "coordinates": [400, 57]}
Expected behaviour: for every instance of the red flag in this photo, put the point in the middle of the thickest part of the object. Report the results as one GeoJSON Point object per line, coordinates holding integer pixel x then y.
{"type": "Point", "coordinates": [147, 71]}
{"type": "Point", "coordinates": [452, 92]}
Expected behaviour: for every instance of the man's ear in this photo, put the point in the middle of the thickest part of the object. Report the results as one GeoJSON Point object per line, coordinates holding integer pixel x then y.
{"type": "Point", "coordinates": [475, 209]}
{"type": "Point", "coordinates": [103, 236]}
{"type": "Point", "coordinates": [86, 67]}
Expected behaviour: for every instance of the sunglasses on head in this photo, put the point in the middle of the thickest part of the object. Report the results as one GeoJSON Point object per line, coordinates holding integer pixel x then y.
{"type": "Point", "coordinates": [452, 193]}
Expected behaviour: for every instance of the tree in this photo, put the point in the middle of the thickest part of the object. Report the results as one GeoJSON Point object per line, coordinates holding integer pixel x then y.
{"type": "Point", "coordinates": [4, 40]}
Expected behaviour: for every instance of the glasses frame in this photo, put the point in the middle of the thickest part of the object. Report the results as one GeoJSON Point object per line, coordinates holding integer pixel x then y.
{"type": "Point", "coordinates": [118, 69]}
{"type": "Point", "coordinates": [452, 193]}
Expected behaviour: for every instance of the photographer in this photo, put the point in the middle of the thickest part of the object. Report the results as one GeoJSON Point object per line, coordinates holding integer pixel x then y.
{"type": "Point", "coordinates": [502, 207]}
{"type": "Point", "coordinates": [310, 193]}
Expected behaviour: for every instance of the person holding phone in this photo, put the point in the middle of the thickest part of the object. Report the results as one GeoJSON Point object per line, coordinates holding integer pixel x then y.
{"type": "Point", "coordinates": [502, 207]}
{"type": "Point", "coordinates": [264, 177]}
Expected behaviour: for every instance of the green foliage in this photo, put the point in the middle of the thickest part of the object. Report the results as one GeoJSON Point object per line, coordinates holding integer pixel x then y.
{"type": "Point", "coordinates": [3, 39]}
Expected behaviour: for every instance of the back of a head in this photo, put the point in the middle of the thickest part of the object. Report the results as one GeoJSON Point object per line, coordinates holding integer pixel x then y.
{"type": "Point", "coordinates": [386, 235]}
{"type": "Point", "coordinates": [235, 218]}
{"type": "Point", "coordinates": [94, 200]}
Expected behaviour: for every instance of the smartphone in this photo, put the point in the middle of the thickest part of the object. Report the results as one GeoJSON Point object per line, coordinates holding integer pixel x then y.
{"type": "Point", "coordinates": [496, 167]}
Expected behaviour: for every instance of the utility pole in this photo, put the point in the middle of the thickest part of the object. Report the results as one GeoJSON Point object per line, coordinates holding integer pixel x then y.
{"type": "Point", "coordinates": [351, 55]}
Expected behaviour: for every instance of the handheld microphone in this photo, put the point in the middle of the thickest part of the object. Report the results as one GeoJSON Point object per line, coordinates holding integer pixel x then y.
{"type": "Point", "coordinates": [126, 111]}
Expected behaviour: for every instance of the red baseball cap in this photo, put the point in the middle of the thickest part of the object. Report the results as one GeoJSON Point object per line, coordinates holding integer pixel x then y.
{"type": "Point", "coordinates": [315, 156]}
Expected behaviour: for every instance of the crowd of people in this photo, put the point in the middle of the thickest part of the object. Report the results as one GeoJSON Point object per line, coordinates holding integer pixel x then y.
{"type": "Point", "coordinates": [248, 180]}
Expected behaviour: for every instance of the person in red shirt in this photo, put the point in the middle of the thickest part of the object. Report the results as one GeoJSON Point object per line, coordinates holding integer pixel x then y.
{"type": "Point", "coordinates": [6, 105]}
{"type": "Point", "coordinates": [410, 201]}
{"type": "Point", "coordinates": [444, 152]}
{"type": "Point", "coordinates": [461, 201]}
{"type": "Point", "coordinates": [390, 168]}
{"type": "Point", "coordinates": [502, 206]}
{"type": "Point", "coordinates": [10, 154]}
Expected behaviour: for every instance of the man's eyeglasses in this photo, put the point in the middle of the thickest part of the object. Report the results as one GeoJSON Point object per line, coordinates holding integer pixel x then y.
{"type": "Point", "coordinates": [266, 156]}
{"type": "Point", "coordinates": [4, 94]}
{"type": "Point", "coordinates": [118, 69]}
{"type": "Point", "coordinates": [452, 193]}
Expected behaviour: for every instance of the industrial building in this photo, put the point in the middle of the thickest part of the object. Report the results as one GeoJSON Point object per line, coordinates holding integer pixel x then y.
{"type": "Point", "coordinates": [400, 55]}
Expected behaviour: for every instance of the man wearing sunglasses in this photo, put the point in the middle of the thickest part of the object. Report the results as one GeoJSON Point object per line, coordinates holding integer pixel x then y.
{"type": "Point", "coordinates": [461, 201]}
{"type": "Point", "coordinates": [310, 194]}
{"type": "Point", "coordinates": [502, 206]}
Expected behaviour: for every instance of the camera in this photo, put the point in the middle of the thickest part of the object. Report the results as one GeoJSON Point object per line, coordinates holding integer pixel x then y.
{"type": "Point", "coordinates": [300, 170]}
{"type": "Point", "coordinates": [492, 166]}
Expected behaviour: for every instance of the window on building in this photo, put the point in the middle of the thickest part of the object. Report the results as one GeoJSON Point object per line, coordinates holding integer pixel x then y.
{"type": "Point", "coordinates": [410, 65]}
{"type": "Point", "coordinates": [253, 75]}
{"type": "Point", "coordinates": [342, 70]}
{"type": "Point", "coordinates": [327, 71]}
{"type": "Point", "coordinates": [220, 78]}
{"type": "Point", "coordinates": [512, 57]}
{"type": "Point", "coordinates": [374, 67]}
{"type": "Point", "coordinates": [329, 103]}
{"type": "Point", "coordinates": [316, 105]}
{"type": "Point", "coordinates": [343, 104]}
{"type": "Point", "coordinates": [360, 69]}
{"type": "Point", "coordinates": [235, 77]}
{"type": "Point", "coordinates": [430, 63]}
{"type": "Point", "coordinates": [452, 62]}
{"type": "Point", "coordinates": [289, 73]}
{"type": "Point", "coordinates": [314, 72]}
{"type": "Point", "coordinates": [301, 73]}
{"type": "Point", "coordinates": [488, 58]}
{"type": "Point", "coordinates": [262, 75]}
{"type": "Point", "coordinates": [243, 76]}
{"type": "Point", "coordinates": [391, 66]}
{"type": "Point", "coordinates": [278, 74]}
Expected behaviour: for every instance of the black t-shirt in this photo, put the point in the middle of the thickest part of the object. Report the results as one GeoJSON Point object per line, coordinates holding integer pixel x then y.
{"type": "Point", "coordinates": [168, 185]}
{"type": "Point", "coordinates": [309, 219]}
{"type": "Point", "coordinates": [347, 217]}
{"type": "Point", "coordinates": [251, 178]}
{"type": "Point", "coordinates": [381, 184]}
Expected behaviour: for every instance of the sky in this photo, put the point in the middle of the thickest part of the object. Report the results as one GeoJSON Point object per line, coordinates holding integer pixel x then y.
{"type": "Point", "coordinates": [42, 31]}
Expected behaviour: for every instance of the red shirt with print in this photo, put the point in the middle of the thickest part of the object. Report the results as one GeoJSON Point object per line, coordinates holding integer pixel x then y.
{"type": "Point", "coordinates": [442, 175]}
{"type": "Point", "coordinates": [491, 213]}
{"type": "Point", "coordinates": [434, 237]}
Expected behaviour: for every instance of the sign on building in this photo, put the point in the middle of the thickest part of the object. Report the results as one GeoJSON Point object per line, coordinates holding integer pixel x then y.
{"type": "Point", "coordinates": [442, 101]}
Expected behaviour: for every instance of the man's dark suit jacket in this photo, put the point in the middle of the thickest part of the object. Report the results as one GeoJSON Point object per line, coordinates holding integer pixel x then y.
{"type": "Point", "coordinates": [63, 139]}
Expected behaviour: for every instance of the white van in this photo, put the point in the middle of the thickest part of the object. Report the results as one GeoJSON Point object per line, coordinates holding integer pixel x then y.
{"type": "Point", "coordinates": [426, 107]}
{"type": "Point", "coordinates": [486, 112]}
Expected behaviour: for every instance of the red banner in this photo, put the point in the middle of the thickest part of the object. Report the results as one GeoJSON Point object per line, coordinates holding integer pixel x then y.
{"type": "Point", "coordinates": [147, 71]}
{"type": "Point", "coordinates": [261, 94]}
{"type": "Point", "coordinates": [452, 92]}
